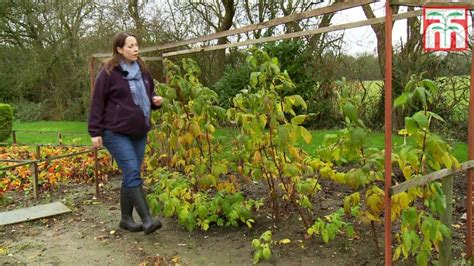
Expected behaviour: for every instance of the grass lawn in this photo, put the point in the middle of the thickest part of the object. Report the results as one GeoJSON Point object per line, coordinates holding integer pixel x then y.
{"type": "Point", "coordinates": [71, 132]}
{"type": "Point", "coordinates": [76, 133]}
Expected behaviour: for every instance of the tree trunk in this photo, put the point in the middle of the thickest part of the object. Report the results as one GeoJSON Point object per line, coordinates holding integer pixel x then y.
{"type": "Point", "coordinates": [134, 12]}
{"type": "Point", "coordinates": [379, 30]}
{"type": "Point", "coordinates": [225, 23]}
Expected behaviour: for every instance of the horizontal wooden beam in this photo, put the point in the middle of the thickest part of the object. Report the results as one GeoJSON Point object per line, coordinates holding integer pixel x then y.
{"type": "Point", "coordinates": [419, 3]}
{"type": "Point", "coordinates": [145, 58]}
{"type": "Point", "coordinates": [274, 22]}
{"type": "Point", "coordinates": [297, 34]}
{"type": "Point", "coordinates": [422, 180]}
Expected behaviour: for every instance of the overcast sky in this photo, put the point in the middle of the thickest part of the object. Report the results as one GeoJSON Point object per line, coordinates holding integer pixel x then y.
{"type": "Point", "coordinates": [362, 39]}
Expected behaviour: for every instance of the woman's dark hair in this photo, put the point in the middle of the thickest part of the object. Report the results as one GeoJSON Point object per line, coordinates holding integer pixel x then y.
{"type": "Point", "coordinates": [119, 41]}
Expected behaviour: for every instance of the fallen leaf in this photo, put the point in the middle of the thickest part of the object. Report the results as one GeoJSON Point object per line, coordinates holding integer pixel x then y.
{"type": "Point", "coordinates": [284, 241]}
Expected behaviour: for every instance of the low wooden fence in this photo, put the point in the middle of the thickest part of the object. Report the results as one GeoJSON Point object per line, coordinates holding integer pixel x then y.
{"type": "Point", "coordinates": [34, 165]}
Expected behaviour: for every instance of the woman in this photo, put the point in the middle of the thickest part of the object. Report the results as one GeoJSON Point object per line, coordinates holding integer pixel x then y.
{"type": "Point", "coordinates": [119, 119]}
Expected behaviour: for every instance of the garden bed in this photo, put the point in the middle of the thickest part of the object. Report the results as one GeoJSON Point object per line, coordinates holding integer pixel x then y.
{"type": "Point", "coordinates": [90, 235]}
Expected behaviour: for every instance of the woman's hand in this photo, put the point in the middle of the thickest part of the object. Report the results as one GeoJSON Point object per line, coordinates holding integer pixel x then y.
{"type": "Point", "coordinates": [157, 100]}
{"type": "Point", "coordinates": [97, 142]}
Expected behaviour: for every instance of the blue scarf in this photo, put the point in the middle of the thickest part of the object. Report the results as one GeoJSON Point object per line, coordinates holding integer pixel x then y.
{"type": "Point", "coordinates": [137, 87]}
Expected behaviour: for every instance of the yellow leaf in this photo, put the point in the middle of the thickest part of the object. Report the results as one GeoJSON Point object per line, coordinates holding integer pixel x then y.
{"type": "Point", "coordinates": [407, 171]}
{"type": "Point", "coordinates": [195, 129]}
{"type": "Point", "coordinates": [404, 200]}
{"type": "Point", "coordinates": [371, 217]}
{"type": "Point", "coordinates": [397, 253]}
{"type": "Point", "coordinates": [188, 138]}
{"type": "Point", "coordinates": [257, 157]}
{"type": "Point", "coordinates": [294, 152]}
{"type": "Point", "coordinates": [447, 160]}
{"type": "Point", "coordinates": [210, 128]}
{"type": "Point", "coordinates": [306, 135]}
{"type": "Point", "coordinates": [350, 201]}
{"type": "Point", "coordinates": [284, 241]}
{"type": "Point", "coordinates": [175, 259]}
{"type": "Point", "coordinates": [3, 250]}
{"type": "Point", "coordinates": [402, 132]}
{"type": "Point", "coordinates": [375, 201]}
{"type": "Point", "coordinates": [174, 159]}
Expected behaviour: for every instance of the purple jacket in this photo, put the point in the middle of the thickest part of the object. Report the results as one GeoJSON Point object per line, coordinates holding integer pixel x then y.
{"type": "Point", "coordinates": [112, 105]}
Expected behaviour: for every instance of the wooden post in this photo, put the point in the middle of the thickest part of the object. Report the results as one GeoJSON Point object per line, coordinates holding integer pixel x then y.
{"type": "Point", "coordinates": [60, 138]}
{"type": "Point", "coordinates": [14, 136]}
{"type": "Point", "coordinates": [38, 152]}
{"type": "Point", "coordinates": [388, 134]}
{"type": "Point", "coordinates": [447, 219]}
{"type": "Point", "coordinates": [34, 173]}
{"type": "Point", "coordinates": [470, 156]}
{"type": "Point", "coordinates": [96, 173]}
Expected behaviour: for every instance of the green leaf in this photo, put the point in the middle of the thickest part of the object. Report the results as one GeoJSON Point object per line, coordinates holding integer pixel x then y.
{"type": "Point", "coordinates": [291, 170]}
{"type": "Point", "coordinates": [298, 119]}
{"type": "Point", "coordinates": [420, 91]}
{"type": "Point", "coordinates": [256, 257]}
{"type": "Point", "coordinates": [202, 211]}
{"type": "Point", "coordinates": [297, 100]}
{"type": "Point", "coordinates": [325, 236]}
{"type": "Point", "coordinates": [306, 135]}
{"type": "Point", "coordinates": [406, 244]}
{"type": "Point", "coordinates": [266, 253]}
{"type": "Point", "coordinates": [350, 231]}
{"type": "Point", "coordinates": [416, 241]}
{"type": "Point", "coordinates": [267, 236]}
{"type": "Point", "coordinates": [438, 28]}
{"type": "Point", "coordinates": [422, 258]}
{"type": "Point", "coordinates": [409, 216]}
{"type": "Point", "coordinates": [358, 137]}
{"type": "Point", "coordinates": [350, 111]}
{"type": "Point", "coordinates": [255, 243]}
{"type": "Point", "coordinates": [254, 79]}
{"type": "Point", "coordinates": [422, 120]}
{"type": "Point", "coordinates": [436, 116]}
{"type": "Point", "coordinates": [306, 203]}
{"type": "Point", "coordinates": [401, 100]}
{"type": "Point", "coordinates": [410, 85]}
{"type": "Point", "coordinates": [430, 85]}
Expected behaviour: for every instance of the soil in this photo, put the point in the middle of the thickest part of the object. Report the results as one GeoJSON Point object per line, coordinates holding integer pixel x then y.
{"type": "Point", "coordinates": [90, 236]}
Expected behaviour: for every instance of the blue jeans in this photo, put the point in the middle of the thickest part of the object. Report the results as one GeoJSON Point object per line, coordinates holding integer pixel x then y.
{"type": "Point", "coordinates": [128, 152]}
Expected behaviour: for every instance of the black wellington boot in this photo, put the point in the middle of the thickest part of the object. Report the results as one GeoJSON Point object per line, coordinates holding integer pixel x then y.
{"type": "Point", "coordinates": [139, 201]}
{"type": "Point", "coordinates": [126, 208]}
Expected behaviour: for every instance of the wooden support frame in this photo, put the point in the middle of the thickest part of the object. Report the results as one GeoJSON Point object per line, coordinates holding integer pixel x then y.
{"type": "Point", "coordinates": [418, 3]}
{"type": "Point", "coordinates": [470, 156]}
{"type": "Point", "coordinates": [297, 34]}
{"type": "Point", "coordinates": [388, 135]}
{"type": "Point", "coordinates": [274, 22]}
{"type": "Point", "coordinates": [423, 180]}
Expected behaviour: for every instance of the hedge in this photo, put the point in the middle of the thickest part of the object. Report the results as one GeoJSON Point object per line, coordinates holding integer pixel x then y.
{"type": "Point", "coordinates": [6, 121]}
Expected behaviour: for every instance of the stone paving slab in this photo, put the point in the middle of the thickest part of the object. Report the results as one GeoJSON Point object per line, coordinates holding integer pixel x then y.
{"type": "Point", "coordinates": [33, 213]}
